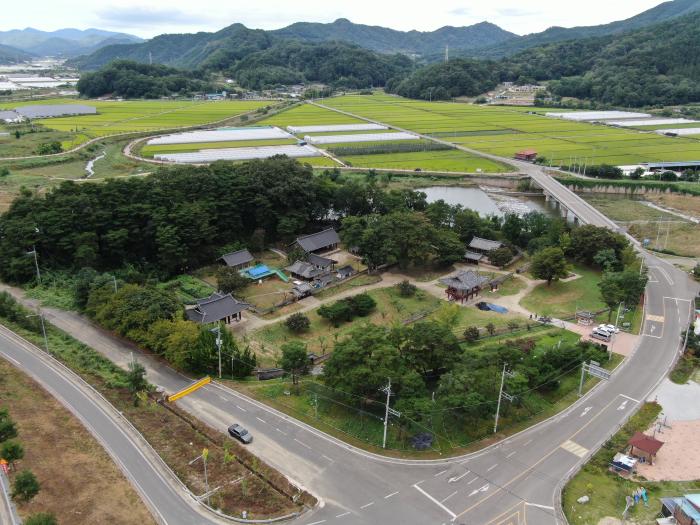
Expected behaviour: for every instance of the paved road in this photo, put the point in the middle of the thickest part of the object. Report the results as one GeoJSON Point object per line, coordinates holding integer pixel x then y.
{"type": "Point", "coordinates": [515, 482]}
{"type": "Point", "coordinates": [8, 512]}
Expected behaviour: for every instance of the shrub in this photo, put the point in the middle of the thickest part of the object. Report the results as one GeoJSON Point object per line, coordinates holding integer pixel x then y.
{"type": "Point", "coordinates": [406, 289]}
{"type": "Point", "coordinates": [228, 280]}
{"type": "Point", "coordinates": [49, 148]}
{"type": "Point", "coordinates": [362, 304]}
{"type": "Point", "coordinates": [298, 323]}
{"type": "Point", "coordinates": [501, 256]}
{"type": "Point", "coordinates": [471, 334]}
{"type": "Point", "coordinates": [26, 486]}
{"type": "Point", "coordinates": [41, 518]}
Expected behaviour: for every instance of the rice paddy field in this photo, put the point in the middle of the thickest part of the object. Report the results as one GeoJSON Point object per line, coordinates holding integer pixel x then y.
{"type": "Point", "coordinates": [505, 130]}
{"type": "Point", "coordinates": [450, 160]}
{"type": "Point", "coordinates": [139, 115]}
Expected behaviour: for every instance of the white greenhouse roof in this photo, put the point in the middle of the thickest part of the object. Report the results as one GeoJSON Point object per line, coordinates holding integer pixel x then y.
{"type": "Point", "coordinates": [679, 131]}
{"type": "Point", "coordinates": [335, 127]}
{"type": "Point", "coordinates": [583, 116]}
{"type": "Point", "coordinates": [650, 122]}
{"type": "Point", "coordinates": [360, 137]}
{"type": "Point", "coordinates": [211, 155]}
{"type": "Point", "coordinates": [222, 135]}
{"type": "Point", "coordinates": [55, 110]}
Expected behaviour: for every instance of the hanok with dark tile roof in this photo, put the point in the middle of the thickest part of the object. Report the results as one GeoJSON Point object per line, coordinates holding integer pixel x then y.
{"type": "Point", "coordinates": [217, 307]}
{"type": "Point", "coordinates": [305, 270]}
{"type": "Point", "coordinates": [319, 242]}
{"type": "Point", "coordinates": [322, 263]}
{"type": "Point", "coordinates": [473, 257]}
{"type": "Point", "coordinates": [301, 290]}
{"type": "Point", "coordinates": [484, 246]}
{"type": "Point", "coordinates": [238, 260]}
{"type": "Point", "coordinates": [464, 285]}
{"type": "Point", "coordinates": [345, 272]}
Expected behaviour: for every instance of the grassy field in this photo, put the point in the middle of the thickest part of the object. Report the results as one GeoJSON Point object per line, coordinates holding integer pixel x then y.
{"type": "Point", "coordinates": [506, 130]}
{"type": "Point", "coordinates": [623, 209]}
{"type": "Point", "coordinates": [607, 491]}
{"type": "Point", "coordinates": [679, 237]}
{"type": "Point", "coordinates": [563, 298]}
{"type": "Point", "coordinates": [138, 116]}
{"type": "Point", "coordinates": [100, 491]}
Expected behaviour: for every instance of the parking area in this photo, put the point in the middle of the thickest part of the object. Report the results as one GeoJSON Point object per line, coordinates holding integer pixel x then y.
{"type": "Point", "coordinates": [623, 343]}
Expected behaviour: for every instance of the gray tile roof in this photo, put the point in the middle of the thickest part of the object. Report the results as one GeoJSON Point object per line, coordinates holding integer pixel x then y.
{"type": "Point", "coordinates": [465, 280]}
{"type": "Point", "coordinates": [346, 271]}
{"type": "Point", "coordinates": [484, 244]}
{"type": "Point", "coordinates": [473, 256]}
{"type": "Point", "coordinates": [302, 289]}
{"type": "Point", "coordinates": [55, 110]}
{"type": "Point", "coordinates": [318, 241]}
{"type": "Point", "coordinates": [323, 262]}
{"type": "Point", "coordinates": [304, 269]}
{"type": "Point", "coordinates": [214, 308]}
{"type": "Point", "coordinates": [237, 258]}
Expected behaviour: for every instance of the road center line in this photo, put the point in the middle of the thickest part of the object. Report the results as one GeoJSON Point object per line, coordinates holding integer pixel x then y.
{"type": "Point", "coordinates": [510, 455]}
{"type": "Point", "coordinates": [326, 457]}
{"type": "Point", "coordinates": [367, 505]}
{"type": "Point", "coordinates": [302, 443]}
{"type": "Point", "coordinates": [241, 408]}
{"type": "Point", "coordinates": [261, 420]}
{"type": "Point", "coordinates": [439, 504]}
{"type": "Point", "coordinates": [527, 442]}
{"type": "Point", "coordinates": [281, 431]}
{"type": "Point", "coordinates": [390, 495]}
{"type": "Point", "coordinates": [491, 467]}
{"type": "Point", "coordinates": [343, 514]}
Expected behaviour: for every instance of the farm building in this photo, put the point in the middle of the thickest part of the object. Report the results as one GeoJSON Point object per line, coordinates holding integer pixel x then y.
{"type": "Point", "coordinates": [318, 242]}
{"type": "Point", "coordinates": [464, 285]}
{"type": "Point", "coordinates": [644, 447]}
{"type": "Point", "coordinates": [217, 307]}
{"type": "Point", "coordinates": [55, 110]}
{"type": "Point", "coordinates": [484, 246]}
{"type": "Point", "coordinates": [238, 260]}
{"type": "Point", "coordinates": [528, 155]}
{"type": "Point", "coordinates": [684, 510]}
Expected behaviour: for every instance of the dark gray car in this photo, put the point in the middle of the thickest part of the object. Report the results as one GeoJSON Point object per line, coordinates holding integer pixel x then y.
{"type": "Point", "coordinates": [240, 433]}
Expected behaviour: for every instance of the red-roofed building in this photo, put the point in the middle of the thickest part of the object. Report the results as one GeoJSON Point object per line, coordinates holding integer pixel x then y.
{"type": "Point", "coordinates": [527, 154]}
{"type": "Point", "coordinates": [644, 447]}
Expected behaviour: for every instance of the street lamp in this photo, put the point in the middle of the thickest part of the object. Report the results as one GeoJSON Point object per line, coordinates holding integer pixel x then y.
{"type": "Point", "coordinates": [219, 342]}
{"type": "Point", "coordinates": [43, 329]}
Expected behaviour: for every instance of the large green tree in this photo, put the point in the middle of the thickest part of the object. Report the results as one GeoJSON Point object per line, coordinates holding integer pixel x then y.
{"type": "Point", "coordinates": [549, 264]}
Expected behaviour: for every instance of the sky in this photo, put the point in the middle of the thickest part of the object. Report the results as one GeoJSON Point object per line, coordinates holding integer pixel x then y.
{"type": "Point", "coordinates": [153, 17]}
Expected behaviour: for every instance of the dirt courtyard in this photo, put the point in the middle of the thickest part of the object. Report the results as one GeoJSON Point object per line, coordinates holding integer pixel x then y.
{"type": "Point", "coordinates": [678, 459]}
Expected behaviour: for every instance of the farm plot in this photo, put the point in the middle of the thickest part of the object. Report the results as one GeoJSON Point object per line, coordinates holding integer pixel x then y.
{"type": "Point", "coordinates": [505, 130]}
{"type": "Point", "coordinates": [411, 154]}
{"type": "Point", "coordinates": [143, 115]}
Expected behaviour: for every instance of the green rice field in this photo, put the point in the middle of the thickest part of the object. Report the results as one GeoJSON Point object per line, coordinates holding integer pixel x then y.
{"type": "Point", "coordinates": [139, 115]}
{"type": "Point", "coordinates": [505, 130]}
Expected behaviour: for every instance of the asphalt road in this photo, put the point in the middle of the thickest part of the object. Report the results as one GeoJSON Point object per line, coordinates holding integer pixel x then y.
{"type": "Point", "coordinates": [514, 482]}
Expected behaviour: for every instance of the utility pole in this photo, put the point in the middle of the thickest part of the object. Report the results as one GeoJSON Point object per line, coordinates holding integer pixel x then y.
{"type": "Point", "coordinates": [219, 343]}
{"type": "Point", "coordinates": [502, 394]}
{"type": "Point", "coordinates": [43, 329]}
{"type": "Point", "coordinates": [203, 457]}
{"type": "Point", "coordinates": [114, 279]}
{"type": "Point", "coordinates": [36, 264]}
{"type": "Point", "coordinates": [386, 389]}
{"type": "Point", "coordinates": [315, 405]}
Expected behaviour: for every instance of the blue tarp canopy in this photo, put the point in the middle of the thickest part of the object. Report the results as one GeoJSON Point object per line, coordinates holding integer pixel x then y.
{"type": "Point", "coordinates": [259, 271]}
{"type": "Point", "coordinates": [497, 309]}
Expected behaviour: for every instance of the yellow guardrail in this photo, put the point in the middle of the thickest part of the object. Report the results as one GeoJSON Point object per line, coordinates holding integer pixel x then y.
{"type": "Point", "coordinates": [189, 389]}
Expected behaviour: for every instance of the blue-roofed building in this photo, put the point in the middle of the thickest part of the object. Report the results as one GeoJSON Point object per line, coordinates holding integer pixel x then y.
{"type": "Point", "coordinates": [684, 509]}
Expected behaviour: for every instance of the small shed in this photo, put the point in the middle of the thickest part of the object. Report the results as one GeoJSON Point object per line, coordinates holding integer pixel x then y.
{"type": "Point", "coordinates": [238, 260]}
{"type": "Point", "coordinates": [345, 271]}
{"type": "Point", "coordinates": [585, 318]}
{"type": "Point", "coordinates": [644, 447]}
{"type": "Point", "coordinates": [528, 155]}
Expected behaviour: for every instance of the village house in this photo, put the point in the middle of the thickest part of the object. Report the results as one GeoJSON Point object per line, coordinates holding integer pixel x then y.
{"type": "Point", "coordinates": [322, 241]}
{"type": "Point", "coordinates": [217, 307]}
{"type": "Point", "coordinates": [644, 447]}
{"type": "Point", "coordinates": [528, 155]}
{"type": "Point", "coordinates": [683, 510]}
{"type": "Point", "coordinates": [237, 260]}
{"type": "Point", "coordinates": [483, 246]}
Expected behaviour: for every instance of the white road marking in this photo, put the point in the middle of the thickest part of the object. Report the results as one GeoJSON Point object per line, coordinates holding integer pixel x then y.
{"type": "Point", "coordinates": [326, 457]}
{"type": "Point", "coordinates": [439, 504]}
{"type": "Point", "coordinates": [302, 443]}
{"type": "Point", "coordinates": [585, 411]}
{"type": "Point", "coordinates": [630, 398]}
{"type": "Point", "coordinates": [480, 489]}
{"type": "Point", "coordinates": [440, 473]}
{"type": "Point", "coordinates": [472, 481]}
{"type": "Point", "coordinates": [261, 420]}
{"type": "Point", "coordinates": [545, 507]}
{"type": "Point", "coordinates": [222, 398]}
{"type": "Point", "coordinates": [367, 505]}
{"type": "Point", "coordinates": [11, 359]}
{"type": "Point", "coordinates": [241, 408]}
{"type": "Point", "coordinates": [510, 455]}
{"type": "Point", "coordinates": [281, 431]}
{"type": "Point", "coordinates": [343, 514]}
{"type": "Point", "coordinates": [623, 405]}
{"type": "Point", "coordinates": [453, 480]}
{"type": "Point", "coordinates": [574, 448]}
{"type": "Point", "coordinates": [527, 442]}
{"type": "Point", "coordinates": [491, 467]}
{"type": "Point", "coordinates": [317, 522]}
{"type": "Point", "coordinates": [448, 497]}
{"type": "Point", "coordinates": [390, 495]}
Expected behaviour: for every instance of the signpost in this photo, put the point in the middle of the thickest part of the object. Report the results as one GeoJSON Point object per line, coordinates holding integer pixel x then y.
{"type": "Point", "coordinates": [593, 368]}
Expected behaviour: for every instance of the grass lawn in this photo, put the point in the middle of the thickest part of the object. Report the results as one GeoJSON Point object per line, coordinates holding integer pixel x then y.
{"type": "Point", "coordinates": [510, 287]}
{"type": "Point", "coordinates": [321, 336]}
{"type": "Point", "coordinates": [357, 282]}
{"type": "Point", "coordinates": [607, 491]}
{"type": "Point", "coordinates": [561, 299]}
{"type": "Point", "coordinates": [101, 491]}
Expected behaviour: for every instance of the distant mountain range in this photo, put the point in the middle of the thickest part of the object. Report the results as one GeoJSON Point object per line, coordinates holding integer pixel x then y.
{"type": "Point", "coordinates": [65, 43]}
{"type": "Point", "coordinates": [12, 55]}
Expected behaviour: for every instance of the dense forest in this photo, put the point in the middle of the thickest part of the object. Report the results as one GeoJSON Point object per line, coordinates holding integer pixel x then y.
{"type": "Point", "coordinates": [133, 80]}
{"type": "Point", "coordinates": [652, 66]}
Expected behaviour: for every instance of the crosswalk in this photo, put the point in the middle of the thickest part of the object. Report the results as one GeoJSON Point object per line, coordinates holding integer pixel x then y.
{"type": "Point", "coordinates": [574, 448]}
